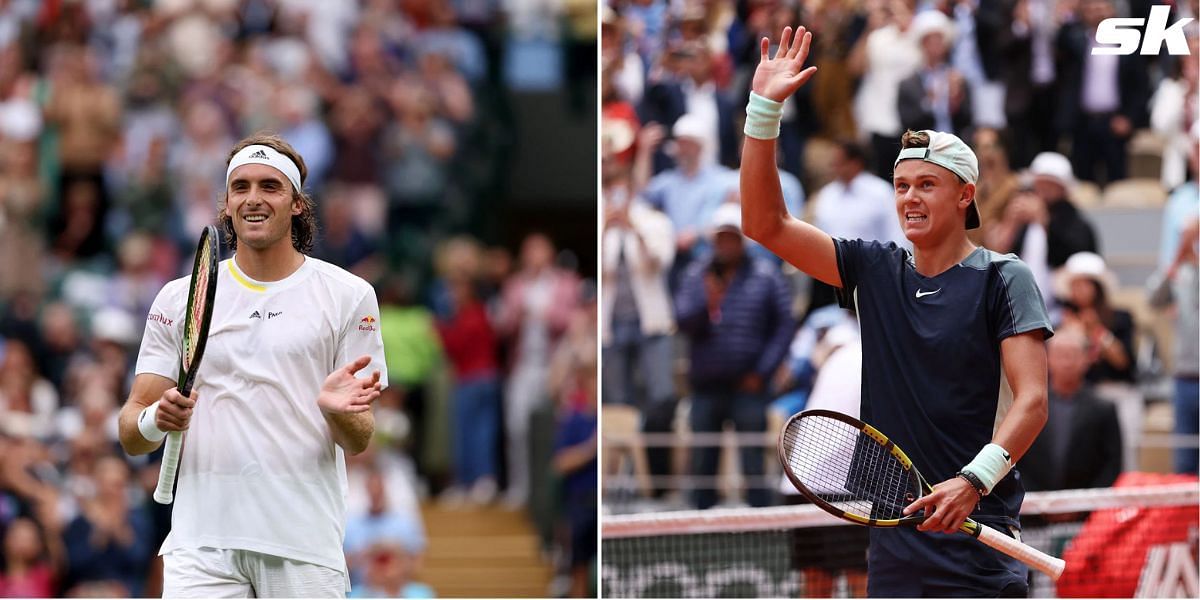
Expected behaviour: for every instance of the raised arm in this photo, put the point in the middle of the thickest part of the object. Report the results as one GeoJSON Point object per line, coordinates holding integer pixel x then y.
{"type": "Point", "coordinates": [765, 218]}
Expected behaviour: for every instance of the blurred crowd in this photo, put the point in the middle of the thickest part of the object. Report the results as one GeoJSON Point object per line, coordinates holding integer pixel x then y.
{"type": "Point", "coordinates": [702, 329]}
{"type": "Point", "coordinates": [116, 117]}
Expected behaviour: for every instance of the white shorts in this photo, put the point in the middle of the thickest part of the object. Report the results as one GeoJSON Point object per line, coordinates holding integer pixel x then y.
{"type": "Point", "coordinates": [216, 573]}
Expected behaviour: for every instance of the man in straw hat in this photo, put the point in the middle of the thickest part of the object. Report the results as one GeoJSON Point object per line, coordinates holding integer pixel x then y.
{"type": "Point", "coordinates": [937, 324]}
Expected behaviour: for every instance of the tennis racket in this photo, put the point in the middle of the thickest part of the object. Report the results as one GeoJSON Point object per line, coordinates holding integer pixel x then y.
{"type": "Point", "coordinates": [201, 292]}
{"type": "Point", "coordinates": [854, 472]}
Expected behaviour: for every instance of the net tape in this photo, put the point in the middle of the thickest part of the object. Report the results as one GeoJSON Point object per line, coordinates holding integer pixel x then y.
{"type": "Point", "coordinates": [719, 520]}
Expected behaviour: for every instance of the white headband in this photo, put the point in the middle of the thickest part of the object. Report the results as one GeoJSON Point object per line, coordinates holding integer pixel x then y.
{"type": "Point", "coordinates": [265, 155]}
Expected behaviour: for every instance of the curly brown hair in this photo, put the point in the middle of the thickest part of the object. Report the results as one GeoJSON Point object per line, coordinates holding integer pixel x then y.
{"type": "Point", "coordinates": [304, 225]}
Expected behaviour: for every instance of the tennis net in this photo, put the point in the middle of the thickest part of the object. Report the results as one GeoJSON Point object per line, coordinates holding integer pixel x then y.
{"type": "Point", "coordinates": [1138, 538]}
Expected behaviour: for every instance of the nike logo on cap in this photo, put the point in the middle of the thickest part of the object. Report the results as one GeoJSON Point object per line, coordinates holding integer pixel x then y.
{"type": "Point", "coordinates": [921, 294]}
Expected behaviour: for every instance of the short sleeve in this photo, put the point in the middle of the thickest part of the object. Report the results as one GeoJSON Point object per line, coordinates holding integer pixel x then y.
{"type": "Point", "coordinates": [849, 263]}
{"type": "Point", "coordinates": [163, 337]}
{"type": "Point", "coordinates": [1017, 303]}
{"type": "Point", "coordinates": [361, 335]}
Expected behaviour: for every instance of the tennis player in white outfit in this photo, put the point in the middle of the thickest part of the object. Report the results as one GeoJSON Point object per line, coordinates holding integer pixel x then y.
{"type": "Point", "coordinates": [260, 506]}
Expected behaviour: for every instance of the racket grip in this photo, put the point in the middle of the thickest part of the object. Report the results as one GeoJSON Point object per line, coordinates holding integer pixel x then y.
{"type": "Point", "coordinates": [163, 494]}
{"type": "Point", "coordinates": [1051, 566]}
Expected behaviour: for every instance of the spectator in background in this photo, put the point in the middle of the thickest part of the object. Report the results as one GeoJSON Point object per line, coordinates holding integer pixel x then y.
{"type": "Point", "coordinates": [1023, 219]}
{"type": "Point", "coordinates": [1173, 112]}
{"type": "Point", "coordinates": [637, 320]}
{"type": "Point", "coordinates": [736, 312]}
{"type": "Point", "coordinates": [797, 375]}
{"type": "Point", "coordinates": [143, 197]}
{"type": "Point", "coordinates": [199, 159]}
{"type": "Point", "coordinates": [471, 346]}
{"type": "Point", "coordinates": [855, 205]}
{"type": "Point", "coordinates": [536, 307]}
{"type": "Point", "coordinates": [1183, 204]}
{"type": "Point", "coordinates": [1080, 446]}
{"type": "Point", "coordinates": [1067, 229]}
{"type": "Point", "coordinates": [1179, 286]}
{"type": "Point", "coordinates": [28, 402]}
{"type": "Point", "coordinates": [357, 120]}
{"type": "Point", "coordinates": [1103, 99]}
{"type": "Point", "coordinates": [303, 128]}
{"type": "Point", "coordinates": [413, 351]}
{"type": "Point", "coordinates": [22, 198]}
{"type": "Point", "coordinates": [1085, 289]}
{"type": "Point", "coordinates": [837, 27]}
{"type": "Point", "coordinates": [87, 112]}
{"type": "Point", "coordinates": [575, 450]}
{"type": "Point", "coordinates": [381, 523]}
{"type": "Point", "coordinates": [937, 96]}
{"type": "Point", "coordinates": [884, 56]}
{"type": "Point", "coordinates": [417, 147]}
{"type": "Point", "coordinates": [628, 73]}
{"type": "Point", "coordinates": [32, 561]}
{"type": "Point", "coordinates": [342, 241]}
{"type": "Point", "coordinates": [391, 567]}
{"type": "Point", "coordinates": [996, 186]}
{"type": "Point", "coordinates": [108, 543]}
{"type": "Point", "coordinates": [1026, 44]}
{"type": "Point", "coordinates": [690, 192]}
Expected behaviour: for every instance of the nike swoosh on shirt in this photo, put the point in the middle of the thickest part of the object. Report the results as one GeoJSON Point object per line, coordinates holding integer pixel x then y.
{"type": "Point", "coordinates": [921, 294]}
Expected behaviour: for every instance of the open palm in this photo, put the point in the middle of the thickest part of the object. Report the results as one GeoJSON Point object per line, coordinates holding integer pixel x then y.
{"type": "Point", "coordinates": [780, 77]}
{"type": "Point", "coordinates": [343, 393]}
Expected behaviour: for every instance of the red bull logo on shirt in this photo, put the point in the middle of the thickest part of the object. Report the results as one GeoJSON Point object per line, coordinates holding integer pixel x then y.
{"type": "Point", "coordinates": [367, 323]}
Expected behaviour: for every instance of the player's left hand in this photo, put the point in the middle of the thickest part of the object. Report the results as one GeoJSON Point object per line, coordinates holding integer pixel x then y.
{"type": "Point", "coordinates": [947, 506]}
{"type": "Point", "coordinates": [343, 393]}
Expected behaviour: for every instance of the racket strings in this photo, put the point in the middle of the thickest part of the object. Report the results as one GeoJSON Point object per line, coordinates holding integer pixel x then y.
{"type": "Point", "coordinates": [191, 334]}
{"type": "Point", "coordinates": [843, 466]}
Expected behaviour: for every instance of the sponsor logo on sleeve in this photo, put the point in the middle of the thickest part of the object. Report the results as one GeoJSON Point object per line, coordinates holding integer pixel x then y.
{"type": "Point", "coordinates": [367, 323]}
{"type": "Point", "coordinates": [160, 318]}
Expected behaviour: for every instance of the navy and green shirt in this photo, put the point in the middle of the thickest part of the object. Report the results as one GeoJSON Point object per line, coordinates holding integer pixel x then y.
{"type": "Point", "coordinates": [931, 382]}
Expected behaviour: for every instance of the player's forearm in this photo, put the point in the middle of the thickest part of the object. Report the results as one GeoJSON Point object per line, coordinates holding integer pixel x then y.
{"type": "Point", "coordinates": [351, 431]}
{"type": "Point", "coordinates": [763, 209]}
{"type": "Point", "coordinates": [1023, 357]}
{"type": "Point", "coordinates": [1023, 423]}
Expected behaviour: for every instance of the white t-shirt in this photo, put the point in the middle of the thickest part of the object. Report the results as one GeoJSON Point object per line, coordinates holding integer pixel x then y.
{"type": "Point", "coordinates": [892, 55]}
{"type": "Point", "coordinates": [260, 470]}
{"type": "Point", "coordinates": [863, 209]}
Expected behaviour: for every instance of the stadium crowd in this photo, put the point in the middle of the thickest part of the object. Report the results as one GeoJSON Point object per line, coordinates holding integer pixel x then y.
{"type": "Point", "coordinates": [1061, 135]}
{"type": "Point", "coordinates": [116, 119]}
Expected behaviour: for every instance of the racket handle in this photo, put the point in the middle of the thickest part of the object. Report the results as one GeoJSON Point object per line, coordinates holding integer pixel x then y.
{"type": "Point", "coordinates": [163, 494]}
{"type": "Point", "coordinates": [1051, 566]}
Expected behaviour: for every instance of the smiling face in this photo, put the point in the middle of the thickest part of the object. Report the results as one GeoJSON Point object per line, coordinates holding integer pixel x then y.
{"type": "Point", "coordinates": [931, 202]}
{"type": "Point", "coordinates": [261, 205]}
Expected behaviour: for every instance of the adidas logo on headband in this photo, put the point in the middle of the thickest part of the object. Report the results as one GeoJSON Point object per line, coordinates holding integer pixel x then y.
{"type": "Point", "coordinates": [258, 154]}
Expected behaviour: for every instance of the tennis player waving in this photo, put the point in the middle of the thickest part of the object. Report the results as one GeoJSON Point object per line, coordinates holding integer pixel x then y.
{"type": "Point", "coordinates": [260, 506]}
{"type": "Point", "coordinates": [938, 324]}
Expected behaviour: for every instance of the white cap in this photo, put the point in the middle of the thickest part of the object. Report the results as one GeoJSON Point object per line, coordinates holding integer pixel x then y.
{"type": "Point", "coordinates": [948, 151]}
{"type": "Point", "coordinates": [933, 21]}
{"type": "Point", "coordinates": [114, 325]}
{"type": "Point", "coordinates": [1054, 166]}
{"type": "Point", "coordinates": [689, 126]}
{"type": "Point", "coordinates": [727, 217]}
{"type": "Point", "coordinates": [1084, 264]}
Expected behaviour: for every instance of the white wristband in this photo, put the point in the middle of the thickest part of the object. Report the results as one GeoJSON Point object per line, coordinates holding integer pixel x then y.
{"type": "Point", "coordinates": [990, 465]}
{"type": "Point", "coordinates": [147, 425]}
{"type": "Point", "coordinates": [763, 117]}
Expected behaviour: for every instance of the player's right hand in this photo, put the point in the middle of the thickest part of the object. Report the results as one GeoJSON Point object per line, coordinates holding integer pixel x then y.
{"type": "Point", "coordinates": [175, 410]}
{"type": "Point", "coordinates": [780, 77]}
